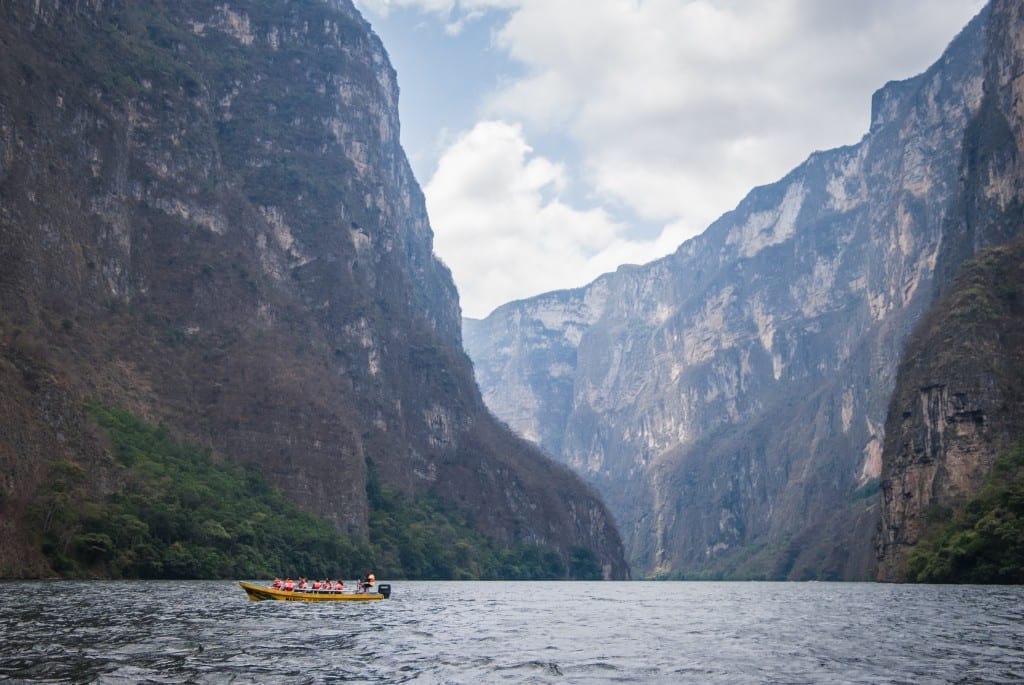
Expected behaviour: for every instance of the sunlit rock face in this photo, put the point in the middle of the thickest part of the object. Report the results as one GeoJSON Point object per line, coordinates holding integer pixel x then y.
{"type": "Point", "coordinates": [958, 405]}
{"type": "Point", "coordinates": [729, 400]}
{"type": "Point", "coordinates": [206, 217]}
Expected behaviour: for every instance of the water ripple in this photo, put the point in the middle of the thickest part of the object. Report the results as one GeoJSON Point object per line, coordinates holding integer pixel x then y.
{"type": "Point", "coordinates": [208, 632]}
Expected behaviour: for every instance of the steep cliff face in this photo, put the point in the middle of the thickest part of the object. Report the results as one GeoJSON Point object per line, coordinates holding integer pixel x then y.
{"type": "Point", "coordinates": [957, 404]}
{"type": "Point", "coordinates": [729, 400]}
{"type": "Point", "coordinates": [206, 217]}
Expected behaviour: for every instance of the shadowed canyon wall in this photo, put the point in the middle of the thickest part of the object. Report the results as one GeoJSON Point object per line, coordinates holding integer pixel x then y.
{"type": "Point", "coordinates": [959, 399]}
{"type": "Point", "coordinates": [206, 218]}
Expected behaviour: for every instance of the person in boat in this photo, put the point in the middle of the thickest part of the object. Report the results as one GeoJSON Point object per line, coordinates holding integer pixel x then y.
{"type": "Point", "coordinates": [316, 586]}
{"type": "Point", "coordinates": [367, 585]}
{"type": "Point", "coordinates": [339, 586]}
{"type": "Point", "coordinates": [303, 585]}
{"type": "Point", "coordinates": [289, 585]}
{"type": "Point", "coordinates": [277, 584]}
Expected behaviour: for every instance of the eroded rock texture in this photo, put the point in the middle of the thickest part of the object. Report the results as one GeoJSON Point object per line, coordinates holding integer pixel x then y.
{"type": "Point", "coordinates": [729, 401]}
{"type": "Point", "coordinates": [206, 218]}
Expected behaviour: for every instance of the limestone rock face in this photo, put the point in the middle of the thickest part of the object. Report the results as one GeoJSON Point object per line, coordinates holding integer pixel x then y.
{"type": "Point", "coordinates": [957, 404]}
{"type": "Point", "coordinates": [729, 400]}
{"type": "Point", "coordinates": [206, 217]}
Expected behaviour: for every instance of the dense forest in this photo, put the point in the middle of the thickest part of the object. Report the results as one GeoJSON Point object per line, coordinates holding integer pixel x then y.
{"type": "Point", "coordinates": [983, 542]}
{"type": "Point", "coordinates": [182, 512]}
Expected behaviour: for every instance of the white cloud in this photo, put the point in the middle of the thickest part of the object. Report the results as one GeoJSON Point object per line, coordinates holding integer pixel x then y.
{"type": "Point", "coordinates": [504, 231]}
{"type": "Point", "coordinates": [680, 108]}
{"type": "Point", "coordinates": [455, 13]}
{"type": "Point", "coordinates": [674, 110]}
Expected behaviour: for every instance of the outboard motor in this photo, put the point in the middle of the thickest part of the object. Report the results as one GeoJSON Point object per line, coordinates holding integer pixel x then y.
{"type": "Point", "coordinates": [384, 589]}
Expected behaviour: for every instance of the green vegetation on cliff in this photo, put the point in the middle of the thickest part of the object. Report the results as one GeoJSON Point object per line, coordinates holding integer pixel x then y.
{"type": "Point", "coordinates": [983, 543]}
{"type": "Point", "coordinates": [179, 512]}
{"type": "Point", "coordinates": [428, 538]}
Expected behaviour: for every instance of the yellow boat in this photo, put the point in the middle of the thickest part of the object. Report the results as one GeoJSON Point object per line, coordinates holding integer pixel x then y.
{"type": "Point", "coordinates": [261, 592]}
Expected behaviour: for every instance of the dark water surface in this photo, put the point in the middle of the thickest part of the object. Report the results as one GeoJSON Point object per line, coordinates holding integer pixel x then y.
{"type": "Point", "coordinates": [487, 632]}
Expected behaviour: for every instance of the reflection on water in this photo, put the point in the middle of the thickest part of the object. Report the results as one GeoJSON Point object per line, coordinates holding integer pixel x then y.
{"type": "Point", "coordinates": [471, 632]}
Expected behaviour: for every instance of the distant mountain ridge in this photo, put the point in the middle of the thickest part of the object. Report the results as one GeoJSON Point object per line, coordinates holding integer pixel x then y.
{"type": "Point", "coordinates": [206, 218]}
{"type": "Point", "coordinates": [729, 401]}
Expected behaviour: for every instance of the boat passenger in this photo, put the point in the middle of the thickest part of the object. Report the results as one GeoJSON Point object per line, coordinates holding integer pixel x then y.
{"type": "Point", "coordinates": [316, 586]}
{"type": "Point", "coordinates": [339, 586]}
{"type": "Point", "coordinates": [303, 585]}
{"type": "Point", "coordinates": [367, 585]}
{"type": "Point", "coordinates": [289, 585]}
{"type": "Point", "coordinates": [276, 584]}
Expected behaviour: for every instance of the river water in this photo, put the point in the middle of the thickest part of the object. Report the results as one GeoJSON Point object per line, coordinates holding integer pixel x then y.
{"type": "Point", "coordinates": [492, 632]}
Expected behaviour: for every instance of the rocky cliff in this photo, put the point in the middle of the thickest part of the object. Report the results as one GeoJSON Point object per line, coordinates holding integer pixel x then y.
{"type": "Point", "coordinates": [206, 218]}
{"type": "Point", "coordinates": [729, 401]}
{"type": "Point", "coordinates": [958, 404]}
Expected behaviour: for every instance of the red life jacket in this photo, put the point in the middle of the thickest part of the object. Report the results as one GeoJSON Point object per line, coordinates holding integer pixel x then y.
{"type": "Point", "coordinates": [289, 585]}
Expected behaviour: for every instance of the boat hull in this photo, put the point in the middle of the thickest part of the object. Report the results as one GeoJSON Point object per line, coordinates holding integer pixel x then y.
{"type": "Point", "coordinates": [259, 593]}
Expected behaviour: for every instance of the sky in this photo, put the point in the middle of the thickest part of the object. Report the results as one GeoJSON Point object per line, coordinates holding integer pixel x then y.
{"type": "Point", "coordinates": [556, 140]}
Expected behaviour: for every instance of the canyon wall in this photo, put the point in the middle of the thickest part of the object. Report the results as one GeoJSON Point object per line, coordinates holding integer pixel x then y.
{"type": "Point", "coordinates": [729, 400]}
{"type": "Point", "coordinates": [206, 218]}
